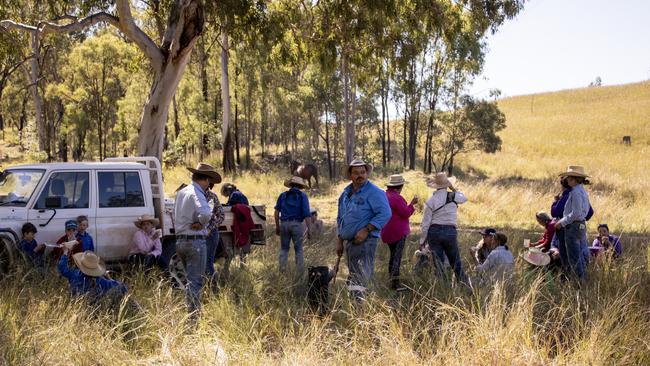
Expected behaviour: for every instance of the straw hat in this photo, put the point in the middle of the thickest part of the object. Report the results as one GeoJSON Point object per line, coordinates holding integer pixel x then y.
{"type": "Point", "coordinates": [575, 171]}
{"type": "Point", "coordinates": [439, 181]}
{"type": "Point", "coordinates": [536, 257]}
{"type": "Point", "coordinates": [358, 162]}
{"type": "Point", "coordinates": [89, 263]}
{"type": "Point", "coordinates": [295, 180]}
{"type": "Point", "coordinates": [206, 169]}
{"type": "Point", "coordinates": [146, 218]}
{"type": "Point", "coordinates": [395, 180]}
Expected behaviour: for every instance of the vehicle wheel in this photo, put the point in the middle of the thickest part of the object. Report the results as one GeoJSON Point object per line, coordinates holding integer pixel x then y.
{"type": "Point", "coordinates": [177, 272]}
{"type": "Point", "coordinates": [7, 256]}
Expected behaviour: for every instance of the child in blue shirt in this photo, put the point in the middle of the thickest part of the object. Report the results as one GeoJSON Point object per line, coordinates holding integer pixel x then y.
{"type": "Point", "coordinates": [89, 277]}
{"type": "Point", "coordinates": [82, 235]}
{"type": "Point", "coordinates": [33, 251]}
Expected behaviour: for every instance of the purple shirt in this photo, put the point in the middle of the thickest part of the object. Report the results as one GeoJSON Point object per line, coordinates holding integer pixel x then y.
{"type": "Point", "coordinates": [144, 244]}
{"type": "Point", "coordinates": [398, 225]}
{"type": "Point", "coordinates": [614, 240]}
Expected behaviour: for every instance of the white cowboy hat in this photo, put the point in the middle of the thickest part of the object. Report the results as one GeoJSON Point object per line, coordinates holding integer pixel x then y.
{"type": "Point", "coordinates": [295, 180]}
{"type": "Point", "coordinates": [536, 257]}
{"type": "Point", "coordinates": [395, 180]}
{"type": "Point", "coordinates": [439, 180]}
{"type": "Point", "coordinates": [89, 264]}
{"type": "Point", "coordinates": [146, 218]}
{"type": "Point", "coordinates": [206, 169]}
{"type": "Point", "coordinates": [574, 171]}
{"type": "Point", "coordinates": [358, 162]}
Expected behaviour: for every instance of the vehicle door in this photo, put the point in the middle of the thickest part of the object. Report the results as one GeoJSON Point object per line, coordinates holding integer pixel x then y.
{"type": "Point", "coordinates": [121, 200]}
{"type": "Point", "coordinates": [65, 196]}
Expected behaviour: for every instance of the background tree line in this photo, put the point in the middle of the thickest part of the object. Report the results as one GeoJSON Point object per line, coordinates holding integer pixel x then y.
{"type": "Point", "coordinates": [186, 78]}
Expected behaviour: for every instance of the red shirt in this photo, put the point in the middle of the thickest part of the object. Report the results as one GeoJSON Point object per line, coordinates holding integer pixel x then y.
{"type": "Point", "coordinates": [548, 236]}
{"type": "Point", "coordinates": [398, 225]}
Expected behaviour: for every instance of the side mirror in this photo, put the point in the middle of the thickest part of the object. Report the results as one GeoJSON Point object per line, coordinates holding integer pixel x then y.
{"type": "Point", "coordinates": [53, 202]}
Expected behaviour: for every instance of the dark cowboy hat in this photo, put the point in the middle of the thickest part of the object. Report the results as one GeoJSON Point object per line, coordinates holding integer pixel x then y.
{"type": "Point", "coordinates": [207, 170]}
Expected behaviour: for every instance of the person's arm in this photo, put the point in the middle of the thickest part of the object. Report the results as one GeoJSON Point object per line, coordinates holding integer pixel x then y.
{"type": "Point", "coordinates": [276, 217]}
{"type": "Point", "coordinates": [201, 205]}
{"type": "Point", "coordinates": [426, 218]}
{"type": "Point", "coordinates": [487, 264]}
{"type": "Point", "coordinates": [590, 213]}
{"type": "Point", "coordinates": [572, 208]}
{"type": "Point", "coordinates": [618, 248]}
{"type": "Point", "coordinates": [305, 206]}
{"type": "Point", "coordinates": [381, 210]}
{"type": "Point", "coordinates": [157, 248]}
{"type": "Point", "coordinates": [400, 208]}
{"type": "Point", "coordinates": [557, 208]}
{"type": "Point", "coordinates": [459, 197]}
{"type": "Point", "coordinates": [62, 266]}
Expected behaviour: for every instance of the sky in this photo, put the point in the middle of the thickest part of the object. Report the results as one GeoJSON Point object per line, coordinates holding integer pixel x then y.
{"type": "Point", "coordinates": [563, 44]}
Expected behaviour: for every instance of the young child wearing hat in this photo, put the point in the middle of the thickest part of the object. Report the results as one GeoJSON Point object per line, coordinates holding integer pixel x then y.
{"type": "Point", "coordinates": [90, 275]}
{"type": "Point", "coordinates": [69, 236]}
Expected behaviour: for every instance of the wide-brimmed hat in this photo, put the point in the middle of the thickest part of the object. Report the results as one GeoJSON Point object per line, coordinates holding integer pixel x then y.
{"type": "Point", "coordinates": [358, 162]}
{"type": "Point", "coordinates": [146, 218]}
{"type": "Point", "coordinates": [208, 170]}
{"type": "Point", "coordinates": [439, 180]}
{"type": "Point", "coordinates": [89, 264]}
{"type": "Point", "coordinates": [574, 171]}
{"type": "Point", "coordinates": [536, 257]}
{"type": "Point", "coordinates": [395, 180]}
{"type": "Point", "coordinates": [296, 181]}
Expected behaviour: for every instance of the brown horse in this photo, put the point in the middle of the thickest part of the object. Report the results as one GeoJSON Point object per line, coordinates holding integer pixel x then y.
{"type": "Point", "coordinates": [304, 171]}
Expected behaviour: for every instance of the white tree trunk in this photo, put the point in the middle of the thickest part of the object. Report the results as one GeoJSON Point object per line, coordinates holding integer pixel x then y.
{"type": "Point", "coordinates": [34, 75]}
{"type": "Point", "coordinates": [228, 163]}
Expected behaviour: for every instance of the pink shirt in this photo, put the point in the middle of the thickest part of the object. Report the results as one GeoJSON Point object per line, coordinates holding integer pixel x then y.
{"type": "Point", "coordinates": [143, 244]}
{"type": "Point", "coordinates": [398, 225]}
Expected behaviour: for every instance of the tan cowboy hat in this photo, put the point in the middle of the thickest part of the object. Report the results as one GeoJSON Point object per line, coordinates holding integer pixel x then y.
{"type": "Point", "coordinates": [574, 171]}
{"type": "Point", "coordinates": [440, 180]}
{"type": "Point", "coordinates": [144, 218]}
{"type": "Point", "coordinates": [395, 180]}
{"type": "Point", "coordinates": [296, 181]}
{"type": "Point", "coordinates": [358, 162]}
{"type": "Point", "coordinates": [206, 169]}
{"type": "Point", "coordinates": [536, 257]}
{"type": "Point", "coordinates": [89, 263]}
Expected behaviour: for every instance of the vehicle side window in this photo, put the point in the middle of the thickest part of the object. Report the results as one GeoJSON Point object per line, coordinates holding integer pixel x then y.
{"type": "Point", "coordinates": [120, 189]}
{"type": "Point", "coordinates": [71, 187]}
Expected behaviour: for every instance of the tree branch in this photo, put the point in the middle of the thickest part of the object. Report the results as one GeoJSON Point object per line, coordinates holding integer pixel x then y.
{"type": "Point", "coordinates": [134, 33]}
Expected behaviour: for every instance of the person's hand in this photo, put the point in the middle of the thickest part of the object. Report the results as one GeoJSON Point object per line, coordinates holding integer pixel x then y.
{"type": "Point", "coordinates": [414, 200]}
{"type": "Point", "coordinates": [339, 247]}
{"type": "Point", "coordinates": [558, 225]}
{"type": "Point", "coordinates": [196, 226]}
{"type": "Point", "coordinates": [605, 242]}
{"type": "Point", "coordinates": [277, 230]}
{"type": "Point", "coordinates": [361, 235]}
{"type": "Point", "coordinates": [66, 250]}
{"type": "Point", "coordinates": [155, 236]}
{"type": "Point", "coordinates": [557, 197]}
{"type": "Point", "coordinates": [555, 253]}
{"type": "Point", "coordinates": [452, 188]}
{"type": "Point", "coordinates": [39, 247]}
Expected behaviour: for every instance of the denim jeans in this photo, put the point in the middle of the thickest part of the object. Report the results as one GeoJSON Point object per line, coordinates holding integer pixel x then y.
{"type": "Point", "coordinates": [291, 230]}
{"type": "Point", "coordinates": [443, 241]}
{"type": "Point", "coordinates": [361, 265]}
{"type": "Point", "coordinates": [584, 245]}
{"type": "Point", "coordinates": [571, 254]}
{"type": "Point", "coordinates": [211, 242]}
{"type": "Point", "coordinates": [395, 257]}
{"type": "Point", "coordinates": [192, 254]}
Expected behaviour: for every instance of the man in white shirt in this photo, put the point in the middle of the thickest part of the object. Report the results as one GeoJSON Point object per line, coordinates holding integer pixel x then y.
{"type": "Point", "coordinates": [191, 216]}
{"type": "Point", "coordinates": [438, 227]}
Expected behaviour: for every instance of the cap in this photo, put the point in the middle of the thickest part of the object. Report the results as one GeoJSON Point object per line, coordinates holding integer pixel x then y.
{"type": "Point", "coordinates": [488, 231]}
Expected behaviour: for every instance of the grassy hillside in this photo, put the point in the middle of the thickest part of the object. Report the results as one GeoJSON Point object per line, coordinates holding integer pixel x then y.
{"type": "Point", "coordinates": [547, 132]}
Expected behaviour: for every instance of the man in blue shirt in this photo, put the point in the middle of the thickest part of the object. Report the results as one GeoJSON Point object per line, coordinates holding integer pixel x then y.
{"type": "Point", "coordinates": [363, 211]}
{"type": "Point", "coordinates": [291, 209]}
{"type": "Point", "coordinates": [89, 278]}
{"type": "Point", "coordinates": [573, 223]}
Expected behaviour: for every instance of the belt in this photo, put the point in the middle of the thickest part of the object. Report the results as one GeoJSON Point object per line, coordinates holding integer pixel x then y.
{"type": "Point", "coordinates": [444, 226]}
{"type": "Point", "coordinates": [190, 237]}
{"type": "Point", "coordinates": [291, 220]}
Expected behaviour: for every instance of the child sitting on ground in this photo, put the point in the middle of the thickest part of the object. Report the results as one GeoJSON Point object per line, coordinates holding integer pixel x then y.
{"type": "Point", "coordinates": [33, 251]}
{"type": "Point", "coordinates": [82, 235]}
{"type": "Point", "coordinates": [70, 235]}
{"type": "Point", "coordinates": [90, 277]}
{"type": "Point", "coordinates": [499, 264]}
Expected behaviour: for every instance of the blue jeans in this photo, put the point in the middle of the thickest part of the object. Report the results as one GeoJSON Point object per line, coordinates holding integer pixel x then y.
{"type": "Point", "coordinates": [291, 230]}
{"type": "Point", "coordinates": [211, 242]}
{"type": "Point", "coordinates": [395, 260]}
{"type": "Point", "coordinates": [443, 241]}
{"type": "Point", "coordinates": [192, 254]}
{"type": "Point", "coordinates": [361, 264]}
{"type": "Point", "coordinates": [584, 245]}
{"type": "Point", "coordinates": [571, 253]}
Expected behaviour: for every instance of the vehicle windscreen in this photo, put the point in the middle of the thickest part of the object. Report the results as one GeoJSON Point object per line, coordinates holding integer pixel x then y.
{"type": "Point", "coordinates": [18, 185]}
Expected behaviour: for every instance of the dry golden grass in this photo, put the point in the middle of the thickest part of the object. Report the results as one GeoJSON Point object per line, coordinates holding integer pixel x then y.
{"type": "Point", "coordinates": [262, 318]}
